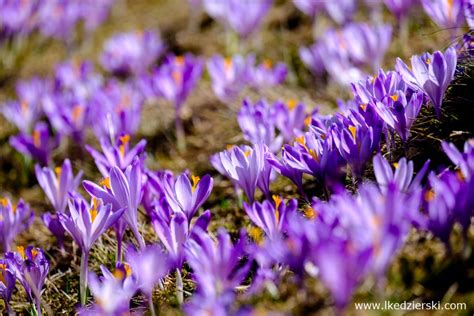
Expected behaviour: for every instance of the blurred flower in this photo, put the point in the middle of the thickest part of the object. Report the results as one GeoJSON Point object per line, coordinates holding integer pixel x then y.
{"type": "Point", "coordinates": [341, 11]}
{"type": "Point", "coordinates": [309, 7]}
{"type": "Point", "coordinates": [22, 113]}
{"type": "Point", "coordinates": [229, 75]}
{"type": "Point", "coordinates": [399, 8]}
{"type": "Point", "coordinates": [52, 222]}
{"type": "Point", "coordinates": [462, 160]}
{"type": "Point", "coordinates": [430, 73]}
{"type": "Point", "coordinates": [131, 53]}
{"type": "Point", "coordinates": [447, 14]}
{"type": "Point", "coordinates": [246, 16]}
{"type": "Point", "coordinates": [267, 75]}
{"type": "Point", "coordinates": [7, 284]}
{"type": "Point", "coordinates": [13, 220]}
{"type": "Point", "coordinates": [38, 145]}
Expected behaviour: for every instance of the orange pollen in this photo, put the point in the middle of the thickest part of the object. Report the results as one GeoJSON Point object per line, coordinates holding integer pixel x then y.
{"type": "Point", "coordinates": [307, 120]}
{"type": "Point", "coordinates": [394, 97]}
{"type": "Point", "coordinates": [292, 103]}
{"type": "Point", "coordinates": [105, 182]}
{"type": "Point", "coordinates": [267, 64]}
{"type": "Point", "coordinates": [21, 251]}
{"type": "Point", "coordinates": [228, 64]}
{"type": "Point", "coordinates": [4, 202]}
{"type": "Point", "coordinates": [94, 210]}
{"type": "Point", "coordinates": [76, 112]}
{"type": "Point", "coordinates": [460, 175]}
{"type": "Point", "coordinates": [128, 269]}
{"type": "Point", "coordinates": [179, 60]}
{"type": "Point", "coordinates": [118, 274]}
{"type": "Point", "coordinates": [363, 106]}
{"type": "Point", "coordinates": [124, 140]}
{"type": "Point", "coordinates": [301, 140]}
{"type": "Point", "coordinates": [177, 77]}
{"type": "Point", "coordinates": [36, 138]}
{"type": "Point", "coordinates": [256, 234]}
{"type": "Point", "coordinates": [14, 208]}
{"type": "Point", "coordinates": [309, 212]}
{"type": "Point", "coordinates": [195, 182]}
{"type": "Point", "coordinates": [247, 153]}
{"type": "Point", "coordinates": [277, 201]}
{"type": "Point", "coordinates": [34, 253]}
{"type": "Point", "coordinates": [429, 195]}
{"type": "Point", "coordinates": [58, 170]}
{"type": "Point", "coordinates": [3, 266]}
{"type": "Point", "coordinates": [353, 131]}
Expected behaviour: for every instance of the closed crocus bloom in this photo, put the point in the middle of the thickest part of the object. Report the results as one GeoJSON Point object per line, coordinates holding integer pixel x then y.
{"type": "Point", "coordinates": [272, 218]}
{"type": "Point", "coordinates": [246, 167]}
{"type": "Point", "coordinates": [402, 177]}
{"type": "Point", "coordinates": [120, 154]}
{"type": "Point", "coordinates": [31, 268]}
{"type": "Point", "coordinates": [131, 53]}
{"type": "Point", "coordinates": [246, 16]}
{"type": "Point", "coordinates": [313, 58]}
{"type": "Point", "coordinates": [185, 197]}
{"type": "Point", "coordinates": [309, 7]}
{"type": "Point", "coordinates": [229, 75]}
{"type": "Point", "coordinates": [39, 145]}
{"type": "Point", "coordinates": [290, 118]}
{"type": "Point", "coordinates": [57, 183]}
{"type": "Point", "coordinates": [446, 13]}
{"type": "Point", "coordinates": [13, 220]}
{"type": "Point", "coordinates": [52, 222]}
{"type": "Point", "coordinates": [7, 283]}
{"type": "Point", "coordinates": [430, 73]}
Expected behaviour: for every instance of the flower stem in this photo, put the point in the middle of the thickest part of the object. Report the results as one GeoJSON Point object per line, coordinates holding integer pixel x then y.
{"type": "Point", "coordinates": [138, 237]}
{"type": "Point", "coordinates": [180, 135]}
{"type": "Point", "coordinates": [179, 286]}
{"type": "Point", "coordinates": [38, 306]}
{"type": "Point", "coordinates": [83, 277]}
{"type": "Point", "coordinates": [151, 305]}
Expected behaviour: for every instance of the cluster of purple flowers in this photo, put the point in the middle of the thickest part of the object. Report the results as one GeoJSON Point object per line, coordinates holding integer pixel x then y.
{"type": "Point", "coordinates": [340, 237]}
{"type": "Point", "coordinates": [52, 18]}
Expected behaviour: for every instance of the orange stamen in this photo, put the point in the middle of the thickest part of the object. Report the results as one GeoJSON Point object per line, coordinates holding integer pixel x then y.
{"type": "Point", "coordinates": [105, 182]}
{"type": "Point", "coordinates": [195, 182]}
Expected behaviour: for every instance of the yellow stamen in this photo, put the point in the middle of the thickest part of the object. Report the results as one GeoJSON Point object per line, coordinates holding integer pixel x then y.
{"type": "Point", "coordinates": [94, 210]}
{"type": "Point", "coordinates": [14, 208]}
{"type": "Point", "coordinates": [21, 251]}
{"type": "Point", "coordinates": [228, 64]}
{"type": "Point", "coordinates": [118, 274]}
{"type": "Point", "coordinates": [363, 106]}
{"type": "Point", "coordinates": [179, 60]}
{"type": "Point", "coordinates": [124, 140]}
{"type": "Point", "coordinates": [428, 61]}
{"type": "Point", "coordinates": [395, 164]}
{"type": "Point", "coordinates": [460, 175]}
{"type": "Point", "coordinates": [353, 131]}
{"type": "Point", "coordinates": [195, 182]}
{"type": "Point", "coordinates": [4, 202]}
{"type": "Point", "coordinates": [128, 269]}
{"type": "Point", "coordinates": [24, 106]}
{"type": "Point", "coordinates": [267, 64]}
{"type": "Point", "coordinates": [105, 182]}
{"type": "Point", "coordinates": [256, 234]}
{"type": "Point", "coordinates": [34, 253]}
{"type": "Point", "coordinates": [394, 97]}
{"type": "Point", "coordinates": [3, 267]}
{"type": "Point", "coordinates": [301, 140]}
{"type": "Point", "coordinates": [229, 147]}
{"type": "Point", "coordinates": [292, 103]}
{"type": "Point", "coordinates": [309, 212]}
{"type": "Point", "coordinates": [450, 9]}
{"type": "Point", "coordinates": [76, 113]}
{"type": "Point", "coordinates": [307, 120]}
{"type": "Point", "coordinates": [247, 153]}
{"type": "Point", "coordinates": [58, 170]}
{"type": "Point", "coordinates": [177, 77]}
{"type": "Point", "coordinates": [429, 195]}
{"type": "Point", "coordinates": [277, 201]}
{"type": "Point", "coordinates": [36, 138]}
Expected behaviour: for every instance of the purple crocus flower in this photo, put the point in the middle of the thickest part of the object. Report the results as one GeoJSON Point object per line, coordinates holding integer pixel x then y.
{"type": "Point", "coordinates": [131, 53]}
{"type": "Point", "coordinates": [58, 183]}
{"type": "Point", "coordinates": [287, 170]}
{"type": "Point", "coordinates": [86, 223]}
{"type": "Point", "coordinates": [148, 266]}
{"type": "Point", "coordinates": [123, 191]}
{"type": "Point", "coordinates": [445, 13]}
{"type": "Point", "coordinates": [462, 160]}
{"type": "Point", "coordinates": [402, 177]}
{"type": "Point", "coordinates": [13, 220]}
{"type": "Point", "coordinates": [258, 123]}
{"type": "Point", "coordinates": [22, 113]}
{"type": "Point", "coordinates": [31, 268]}
{"type": "Point", "coordinates": [399, 8]}
{"type": "Point", "coordinates": [52, 222]}
{"type": "Point", "coordinates": [7, 284]}
{"type": "Point", "coordinates": [309, 7]}
{"type": "Point", "coordinates": [341, 11]}
{"type": "Point", "coordinates": [290, 118]}
{"type": "Point", "coordinates": [217, 269]}
{"type": "Point", "coordinates": [58, 18]}
{"type": "Point", "coordinates": [119, 154]}
{"type": "Point", "coordinates": [77, 77]}
{"type": "Point", "coordinates": [246, 167]}
{"type": "Point", "coordinates": [185, 197]}
{"type": "Point", "coordinates": [112, 292]}
{"type": "Point", "coordinates": [38, 145]}
{"type": "Point", "coordinates": [272, 219]}
{"type": "Point", "coordinates": [229, 75]}
{"type": "Point", "coordinates": [430, 73]}
{"type": "Point", "coordinates": [119, 106]}
{"type": "Point", "coordinates": [267, 75]}
{"type": "Point", "coordinates": [399, 112]}
{"type": "Point", "coordinates": [246, 16]}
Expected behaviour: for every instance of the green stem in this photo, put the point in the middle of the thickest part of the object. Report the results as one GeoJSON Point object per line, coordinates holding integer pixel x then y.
{"type": "Point", "coordinates": [179, 286]}
{"type": "Point", "coordinates": [83, 277]}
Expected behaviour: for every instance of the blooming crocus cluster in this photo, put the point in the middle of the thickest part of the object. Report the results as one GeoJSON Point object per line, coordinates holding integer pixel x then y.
{"type": "Point", "coordinates": [344, 53]}
{"type": "Point", "coordinates": [13, 220]}
{"type": "Point", "coordinates": [131, 53]}
{"type": "Point", "coordinates": [30, 267]}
